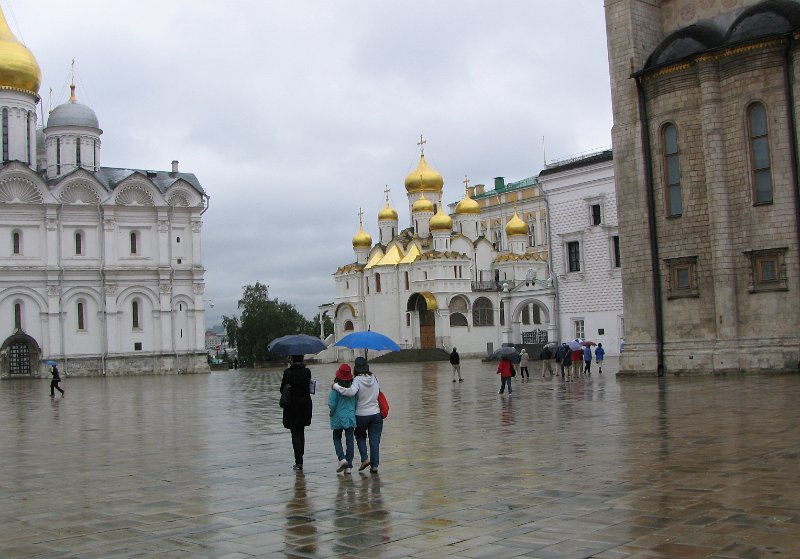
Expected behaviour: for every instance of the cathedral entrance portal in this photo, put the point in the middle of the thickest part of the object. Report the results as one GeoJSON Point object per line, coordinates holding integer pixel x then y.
{"type": "Point", "coordinates": [424, 304]}
{"type": "Point", "coordinates": [19, 355]}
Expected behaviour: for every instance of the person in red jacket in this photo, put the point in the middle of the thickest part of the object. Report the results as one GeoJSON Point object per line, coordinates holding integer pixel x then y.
{"type": "Point", "coordinates": [504, 370]}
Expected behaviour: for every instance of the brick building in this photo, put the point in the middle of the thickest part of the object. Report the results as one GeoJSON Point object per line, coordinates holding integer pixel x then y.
{"type": "Point", "coordinates": [705, 98]}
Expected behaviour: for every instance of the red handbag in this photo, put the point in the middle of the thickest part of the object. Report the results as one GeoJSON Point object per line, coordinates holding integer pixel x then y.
{"type": "Point", "coordinates": [383, 404]}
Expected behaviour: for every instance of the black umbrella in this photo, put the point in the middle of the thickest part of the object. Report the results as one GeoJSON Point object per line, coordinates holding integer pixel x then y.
{"type": "Point", "coordinates": [509, 352]}
{"type": "Point", "coordinates": [296, 344]}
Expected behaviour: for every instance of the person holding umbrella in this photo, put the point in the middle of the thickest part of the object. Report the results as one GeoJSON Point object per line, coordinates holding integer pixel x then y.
{"type": "Point", "coordinates": [297, 410]}
{"type": "Point", "coordinates": [369, 423]}
{"type": "Point", "coordinates": [504, 370]}
{"type": "Point", "coordinates": [54, 383]}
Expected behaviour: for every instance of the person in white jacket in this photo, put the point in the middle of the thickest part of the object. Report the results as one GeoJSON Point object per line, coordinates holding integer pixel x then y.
{"type": "Point", "coordinates": [369, 423]}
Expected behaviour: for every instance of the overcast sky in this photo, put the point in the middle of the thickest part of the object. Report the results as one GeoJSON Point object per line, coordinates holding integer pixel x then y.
{"type": "Point", "coordinates": [294, 114]}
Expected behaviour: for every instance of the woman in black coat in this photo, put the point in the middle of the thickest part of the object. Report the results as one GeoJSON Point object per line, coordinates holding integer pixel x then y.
{"type": "Point", "coordinates": [297, 412]}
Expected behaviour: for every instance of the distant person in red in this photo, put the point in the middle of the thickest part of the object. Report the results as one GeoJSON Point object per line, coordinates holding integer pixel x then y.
{"type": "Point", "coordinates": [54, 383]}
{"type": "Point", "coordinates": [504, 370]}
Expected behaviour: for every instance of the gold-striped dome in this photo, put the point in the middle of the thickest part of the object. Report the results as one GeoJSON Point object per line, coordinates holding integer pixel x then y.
{"type": "Point", "coordinates": [362, 239]}
{"type": "Point", "coordinates": [18, 68]}
{"type": "Point", "coordinates": [468, 206]}
{"type": "Point", "coordinates": [422, 205]}
{"type": "Point", "coordinates": [441, 221]}
{"type": "Point", "coordinates": [387, 212]}
{"type": "Point", "coordinates": [516, 226]}
{"type": "Point", "coordinates": [424, 179]}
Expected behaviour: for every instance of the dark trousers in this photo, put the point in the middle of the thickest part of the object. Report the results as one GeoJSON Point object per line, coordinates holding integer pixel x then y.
{"type": "Point", "coordinates": [54, 386]}
{"type": "Point", "coordinates": [524, 371]}
{"type": "Point", "coordinates": [298, 444]}
{"type": "Point", "coordinates": [503, 382]}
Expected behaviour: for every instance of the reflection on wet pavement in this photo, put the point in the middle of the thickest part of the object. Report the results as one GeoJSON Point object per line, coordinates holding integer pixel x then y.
{"type": "Point", "coordinates": [200, 466]}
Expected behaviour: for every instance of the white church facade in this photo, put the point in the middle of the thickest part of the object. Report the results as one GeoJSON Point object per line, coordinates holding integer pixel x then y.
{"type": "Point", "coordinates": [100, 268]}
{"type": "Point", "coordinates": [483, 275]}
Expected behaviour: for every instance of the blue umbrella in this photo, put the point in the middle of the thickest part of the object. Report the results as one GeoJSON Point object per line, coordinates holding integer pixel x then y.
{"type": "Point", "coordinates": [49, 362]}
{"type": "Point", "coordinates": [296, 344]}
{"type": "Point", "coordinates": [368, 340]}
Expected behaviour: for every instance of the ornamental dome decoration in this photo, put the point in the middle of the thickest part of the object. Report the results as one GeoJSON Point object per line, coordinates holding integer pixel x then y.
{"type": "Point", "coordinates": [516, 226]}
{"type": "Point", "coordinates": [468, 206]}
{"type": "Point", "coordinates": [424, 179]}
{"type": "Point", "coordinates": [362, 239]}
{"type": "Point", "coordinates": [422, 205]}
{"type": "Point", "coordinates": [19, 70]}
{"type": "Point", "coordinates": [441, 221]}
{"type": "Point", "coordinates": [388, 212]}
{"type": "Point", "coordinates": [73, 113]}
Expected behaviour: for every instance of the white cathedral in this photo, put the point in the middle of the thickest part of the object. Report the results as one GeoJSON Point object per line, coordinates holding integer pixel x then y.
{"type": "Point", "coordinates": [100, 268]}
{"type": "Point", "coordinates": [524, 263]}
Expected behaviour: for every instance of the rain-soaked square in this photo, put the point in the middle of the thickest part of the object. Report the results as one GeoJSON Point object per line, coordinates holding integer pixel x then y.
{"type": "Point", "coordinates": [200, 466]}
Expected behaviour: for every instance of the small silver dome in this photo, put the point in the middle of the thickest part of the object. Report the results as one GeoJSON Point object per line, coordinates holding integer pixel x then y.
{"type": "Point", "coordinates": [73, 114]}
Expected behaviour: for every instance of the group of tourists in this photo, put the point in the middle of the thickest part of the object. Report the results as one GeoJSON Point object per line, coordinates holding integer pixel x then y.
{"type": "Point", "coordinates": [574, 362]}
{"type": "Point", "coordinates": [354, 412]}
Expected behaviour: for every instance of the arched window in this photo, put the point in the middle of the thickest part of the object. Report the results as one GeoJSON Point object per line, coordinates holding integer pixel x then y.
{"type": "Point", "coordinates": [135, 314]}
{"type": "Point", "coordinates": [29, 126]}
{"type": "Point", "coordinates": [79, 243]}
{"type": "Point", "coordinates": [405, 275]}
{"type": "Point", "coordinates": [18, 316]}
{"type": "Point", "coordinates": [458, 310]}
{"type": "Point", "coordinates": [58, 156]}
{"type": "Point", "coordinates": [134, 243]}
{"type": "Point", "coordinates": [759, 154]}
{"type": "Point", "coordinates": [5, 135]}
{"type": "Point", "coordinates": [482, 312]}
{"type": "Point", "coordinates": [16, 242]}
{"type": "Point", "coordinates": [78, 152]}
{"type": "Point", "coordinates": [531, 233]}
{"type": "Point", "coordinates": [377, 283]}
{"type": "Point", "coordinates": [348, 325]}
{"type": "Point", "coordinates": [672, 169]}
{"type": "Point", "coordinates": [79, 310]}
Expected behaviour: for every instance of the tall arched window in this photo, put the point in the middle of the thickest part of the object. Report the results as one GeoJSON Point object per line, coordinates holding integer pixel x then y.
{"type": "Point", "coordinates": [78, 152]}
{"type": "Point", "coordinates": [18, 316]}
{"type": "Point", "coordinates": [5, 135]}
{"type": "Point", "coordinates": [759, 154]}
{"type": "Point", "coordinates": [81, 323]}
{"type": "Point", "coordinates": [135, 314]}
{"type": "Point", "coordinates": [30, 126]}
{"type": "Point", "coordinates": [58, 156]}
{"type": "Point", "coordinates": [134, 242]}
{"type": "Point", "coordinates": [348, 326]}
{"type": "Point", "coordinates": [377, 283]}
{"type": "Point", "coordinates": [672, 169]}
{"type": "Point", "coordinates": [482, 312]}
{"type": "Point", "coordinates": [79, 243]}
{"type": "Point", "coordinates": [16, 242]}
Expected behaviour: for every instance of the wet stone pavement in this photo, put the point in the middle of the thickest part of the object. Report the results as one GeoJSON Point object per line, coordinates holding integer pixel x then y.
{"type": "Point", "coordinates": [199, 466]}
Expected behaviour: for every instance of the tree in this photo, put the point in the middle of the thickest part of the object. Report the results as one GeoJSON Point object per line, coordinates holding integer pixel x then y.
{"type": "Point", "coordinates": [231, 325]}
{"type": "Point", "coordinates": [264, 319]}
{"type": "Point", "coordinates": [314, 326]}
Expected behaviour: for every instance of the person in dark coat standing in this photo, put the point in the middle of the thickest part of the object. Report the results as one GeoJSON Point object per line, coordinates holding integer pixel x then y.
{"type": "Point", "coordinates": [297, 412]}
{"type": "Point", "coordinates": [54, 383]}
{"type": "Point", "coordinates": [455, 361]}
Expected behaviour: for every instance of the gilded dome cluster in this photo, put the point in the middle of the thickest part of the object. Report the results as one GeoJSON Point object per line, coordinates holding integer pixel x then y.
{"type": "Point", "coordinates": [18, 68]}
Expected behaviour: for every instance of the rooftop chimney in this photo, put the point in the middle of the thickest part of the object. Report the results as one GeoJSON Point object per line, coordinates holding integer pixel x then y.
{"type": "Point", "coordinates": [174, 165]}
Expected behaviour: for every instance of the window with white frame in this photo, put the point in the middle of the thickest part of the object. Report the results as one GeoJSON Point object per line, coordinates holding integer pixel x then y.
{"type": "Point", "coordinates": [578, 328]}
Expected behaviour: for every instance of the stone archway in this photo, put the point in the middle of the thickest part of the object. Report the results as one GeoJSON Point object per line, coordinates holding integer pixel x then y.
{"type": "Point", "coordinates": [19, 356]}
{"type": "Point", "coordinates": [424, 304]}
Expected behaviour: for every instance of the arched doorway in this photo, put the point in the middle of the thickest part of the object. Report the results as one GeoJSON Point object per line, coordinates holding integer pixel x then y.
{"type": "Point", "coordinates": [20, 355]}
{"type": "Point", "coordinates": [424, 304]}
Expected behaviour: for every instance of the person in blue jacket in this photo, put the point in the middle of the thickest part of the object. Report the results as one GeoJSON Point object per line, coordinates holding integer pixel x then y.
{"type": "Point", "coordinates": [587, 360]}
{"type": "Point", "coordinates": [599, 354]}
{"type": "Point", "coordinates": [343, 419]}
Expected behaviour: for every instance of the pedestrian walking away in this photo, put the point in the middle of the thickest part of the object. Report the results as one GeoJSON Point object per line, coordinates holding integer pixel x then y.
{"type": "Point", "coordinates": [54, 383]}
{"type": "Point", "coordinates": [523, 364]}
{"type": "Point", "coordinates": [504, 370]}
{"type": "Point", "coordinates": [564, 358]}
{"type": "Point", "coordinates": [455, 361]}
{"type": "Point", "coordinates": [547, 366]}
{"type": "Point", "coordinates": [297, 410]}
{"type": "Point", "coordinates": [587, 360]}
{"type": "Point", "coordinates": [343, 419]}
{"type": "Point", "coordinates": [599, 355]}
{"type": "Point", "coordinates": [369, 423]}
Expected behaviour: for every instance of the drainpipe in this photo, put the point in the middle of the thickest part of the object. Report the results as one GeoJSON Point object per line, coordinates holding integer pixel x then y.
{"type": "Point", "coordinates": [788, 84]}
{"type": "Point", "coordinates": [104, 318]}
{"type": "Point", "coordinates": [651, 222]}
{"type": "Point", "coordinates": [61, 288]}
{"type": "Point", "coordinates": [553, 279]}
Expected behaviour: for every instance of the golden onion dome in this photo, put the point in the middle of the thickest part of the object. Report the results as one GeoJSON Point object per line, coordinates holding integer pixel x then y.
{"type": "Point", "coordinates": [441, 221]}
{"type": "Point", "coordinates": [468, 206]}
{"type": "Point", "coordinates": [424, 179]}
{"type": "Point", "coordinates": [387, 213]}
{"type": "Point", "coordinates": [422, 205]}
{"type": "Point", "coordinates": [516, 226]}
{"type": "Point", "coordinates": [362, 239]}
{"type": "Point", "coordinates": [18, 68]}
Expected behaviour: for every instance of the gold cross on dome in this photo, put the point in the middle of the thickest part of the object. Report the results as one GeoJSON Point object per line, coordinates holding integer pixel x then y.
{"type": "Point", "coordinates": [360, 216]}
{"type": "Point", "coordinates": [421, 145]}
{"type": "Point", "coordinates": [386, 191]}
{"type": "Point", "coordinates": [466, 182]}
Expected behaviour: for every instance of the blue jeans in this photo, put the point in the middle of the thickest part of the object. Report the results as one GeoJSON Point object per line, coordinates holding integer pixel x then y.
{"type": "Point", "coordinates": [503, 383]}
{"type": "Point", "coordinates": [369, 426]}
{"type": "Point", "coordinates": [337, 445]}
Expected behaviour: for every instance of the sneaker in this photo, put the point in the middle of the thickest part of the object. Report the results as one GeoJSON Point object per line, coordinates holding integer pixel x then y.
{"type": "Point", "coordinates": [297, 467]}
{"type": "Point", "coordinates": [342, 465]}
{"type": "Point", "coordinates": [461, 380]}
{"type": "Point", "coordinates": [364, 465]}
{"type": "Point", "coordinates": [348, 470]}
{"type": "Point", "coordinates": [373, 470]}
